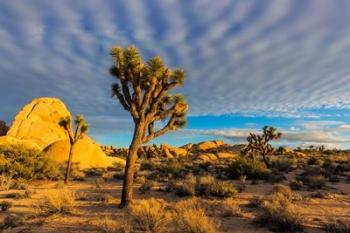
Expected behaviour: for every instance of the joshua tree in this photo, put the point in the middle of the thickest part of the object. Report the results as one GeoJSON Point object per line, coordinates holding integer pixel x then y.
{"type": "Point", "coordinates": [143, 89]}
{"type": "Point", "coordinates": [81, 128]}
{"type": "Point", "coordinates": [259, 144]}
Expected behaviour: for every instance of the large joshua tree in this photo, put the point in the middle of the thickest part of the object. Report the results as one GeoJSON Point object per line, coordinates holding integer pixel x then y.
{"type": "Point", "coordinates": [259, 144]}
{"type": "Point", "coordinates": [81, 128]}
{"type": "Point", "coordinates": [143, 89]}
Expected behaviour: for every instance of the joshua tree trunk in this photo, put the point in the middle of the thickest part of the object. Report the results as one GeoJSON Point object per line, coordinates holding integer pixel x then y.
{"type": "Point", "coordinates": [69, 163]}
{"type": "Point", "coordinates": [266, 161]}
{"type": "Point", "coordinates": [128, 184]}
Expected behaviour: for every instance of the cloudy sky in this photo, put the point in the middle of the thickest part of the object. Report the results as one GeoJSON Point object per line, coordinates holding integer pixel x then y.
{"type": "Point", "coordinates": [250, 63]}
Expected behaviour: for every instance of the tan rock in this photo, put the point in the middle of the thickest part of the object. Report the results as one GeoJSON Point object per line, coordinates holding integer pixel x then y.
{"type": "Point", "coordinates": [203, 146]}
{"type": "Point", "coordinates": [300, 154]}
{"type": "Point", "coordinates": [3, 128]}
{"type": "Point", "coordinates": [173, 151]}
{"type": "Point", "coordinates": [86, 153]}
{"type": "Point", "coordinates": [38, 122]}
{"type": "Point", "coordinates": [226, 155]}
{"type": "Point", "coordinates": [207, 157]}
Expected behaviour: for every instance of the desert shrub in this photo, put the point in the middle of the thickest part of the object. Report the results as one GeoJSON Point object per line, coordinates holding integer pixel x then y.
{"type": "Point", "coordinates": [334, 179]}
{"type": "Point", "coordinates": [146, 186]}
{"type": "Point", "coordinates": [104, 198]}
{"type": "Point", "coordinates": [279, 214]}
{"type": "Point", "coordinates": [252, 169]}
{"type": "Point", "coordinates": [172, 168]}
{"type": "Point", "coordinates": [296, 184]}
{"type": "Point", "coordinates": [149, 215]}
{"type": "Point", "coordinates": [5, 205]}
{"type": "Point", "coordinates": [58, 201]}
{"type": "Point", "coordinates": [96, 171]}
{"type": "Point", "coordinates": [28, 164]}
{"type": "Point", "coordinates": [209, 186]}
{"type": "Point", "coordinates": [313, 161]}
{"type": "Point", "coordinates": [6, 182]}
{"type": "Point", "coordinates": [282, 165]}
{"type": "Point", "coordinates": [284, 191]}
{"type": "Point", "coordinates": [148, 165]}
{"type": "Point", "coordinates": [319, 194]}
{"type": "Point", "coordinates": [99, 183]}
{"type": "Point", "coordinates": [337, 227]}
{"type": "Point", "coordinates": [11, 221]}
{"type": "Point", "coordinates": [231, 209]}
{"type": "Point", "coordinates": [276, 177]}
{"type": "Point", "coordinates": [114, 226]}
{"type": "Point", "coordinates": [255, 202]}
{"type": "Point", "coordinates": [187, 187]}
{"type": "Point", "coordinates": [190, 217]}
{"type": "Point", "coordinates": [315, 182]}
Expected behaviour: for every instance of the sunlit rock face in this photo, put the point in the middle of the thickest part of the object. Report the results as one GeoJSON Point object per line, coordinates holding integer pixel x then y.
{"type": "Point", "coordinates": [37, 125]}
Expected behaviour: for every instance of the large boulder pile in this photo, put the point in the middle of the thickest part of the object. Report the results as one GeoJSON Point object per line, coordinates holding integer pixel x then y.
{"type": "Point", "coordinates": [37, 126]}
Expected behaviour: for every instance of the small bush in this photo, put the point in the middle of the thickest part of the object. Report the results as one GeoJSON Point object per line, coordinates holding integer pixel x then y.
{"type": "Point", "coordinates": [114, 226]}
{"type": "Point", "coordinates": [146, 187]}
{"type": "Point", "coordinates": [190, 217]}
{"type": "Point", "coordinates": [282, 165]}
{"type": "Point", "coordinates": [315, 182]}
{"type": "Point", "coordinates": [313, 161]}
{"type": "Point", "coordinates": [104, 198]}
{"type": "Point", "coordinates": [5, 205]}
{"type": "Point", "coordinates": [58, 201]}
{"type": "Point", "coordinates": [252, 169]}
{"type": "Point", "coordinates": [149, 216]}
{"type": "Point", "coordinates": [279, 215]}
{"type": "Point", "coordinates": [187, 187]}
{"type": "Point", "coordinates": [6, 182]}
{"type": "Point", "coordinates": [208, 186]}
{"type": "Point", "coordinates": [296, 185]}
{"type": "Point", "coordinates": [231, 209]}
{"type": "Point", "coordinates": [337, 227]}
{"type": "Point", "coordinates": [11, 221]}
{"type": "Point", "coordinates": [172, 168]}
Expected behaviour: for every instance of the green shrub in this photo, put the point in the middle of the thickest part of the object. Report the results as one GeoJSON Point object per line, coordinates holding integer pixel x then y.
{"type": "Point", "coordinates": [252, 169]}
{"type": "Point", "coordinates": [187, 187]}
{"type": "Point", "coordinates": [19, 162]}
{"type": "Point", "coordinates": [208, 186]}
{"type": "Point", "coordinates": [315, 182]}
{"type": "Point", "coordinates": [146, 186]}
{"type": "Point", "coordinates": [296, 184]}
{"type": "Point", "coordinates": [172, 168]}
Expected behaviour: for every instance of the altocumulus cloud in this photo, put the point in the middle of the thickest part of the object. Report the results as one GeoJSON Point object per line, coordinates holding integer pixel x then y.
{"type": "Point", "coordinates": [266, 57]}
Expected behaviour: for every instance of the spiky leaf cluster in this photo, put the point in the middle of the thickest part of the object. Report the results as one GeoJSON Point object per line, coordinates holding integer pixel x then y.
{"type": "Point", "coordinates": [143, 89]}
{"type": "Point", "coordinates": [81, 127]}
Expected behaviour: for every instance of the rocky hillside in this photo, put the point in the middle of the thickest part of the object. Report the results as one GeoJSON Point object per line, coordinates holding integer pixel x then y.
{"type": "Point", "coordinates": [206, 151]}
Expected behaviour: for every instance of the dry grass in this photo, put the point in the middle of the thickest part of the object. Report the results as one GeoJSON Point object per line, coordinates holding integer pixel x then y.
{"type": "Point", "coordinates": [6, 182]}
{"type": "Point", "coordinates": [57, 201]}
{"type": "Point", "coordinates": [279, 214]}
{"type": "Point", "coordinates": [114, 226]}
{"type": "Point", "coordinates": [230, 208]}
{"type": "Point", "coordinates": [149, 215]}
{"type": "Point", "coordinates": [191, 218]}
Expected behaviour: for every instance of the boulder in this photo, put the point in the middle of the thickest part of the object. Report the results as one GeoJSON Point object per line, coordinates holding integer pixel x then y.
{"type": "Point", "coordinates": [171, 151]}
{"type": "Point", "coordinates": [3, 128]}
{"type": "Point", "coordinates": [39, 120]}
{"type": "Point", "coordinates": [37, 125]}
{"type": "Point", "coordinates": [208, 145]}
{"type": "Point", "coordinates": [226, 155]}
{"type": "Point", "coordinates": [207, 157]}
{"type": "Point", "coordinates": [86, 154]}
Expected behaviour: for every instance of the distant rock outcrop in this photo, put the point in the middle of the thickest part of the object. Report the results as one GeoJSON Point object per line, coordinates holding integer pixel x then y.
{"type": "Point", "coordinates": [37, 125]}
{"type": "Point", "coordinates": [3, 128]}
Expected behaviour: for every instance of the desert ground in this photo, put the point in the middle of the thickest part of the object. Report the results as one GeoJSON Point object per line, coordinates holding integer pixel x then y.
{"type": "Point", "coordinates": [93, 206]}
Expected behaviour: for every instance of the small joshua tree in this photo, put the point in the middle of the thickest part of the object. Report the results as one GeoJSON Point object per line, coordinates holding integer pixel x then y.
{"type": "Point", "coordinates": [259, 144]}
{"type": "Point", "coordinates": [81, 128]}
{"type": "Point", "coordinates": [143, 89]}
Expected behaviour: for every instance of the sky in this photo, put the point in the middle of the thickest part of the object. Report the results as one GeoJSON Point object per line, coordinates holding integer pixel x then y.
{"type": "Point", "coordinates": [249, 63]}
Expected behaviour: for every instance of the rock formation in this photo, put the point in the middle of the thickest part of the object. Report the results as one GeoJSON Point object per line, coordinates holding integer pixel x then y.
{"type": "Point", "coordinates": [37, 126]}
